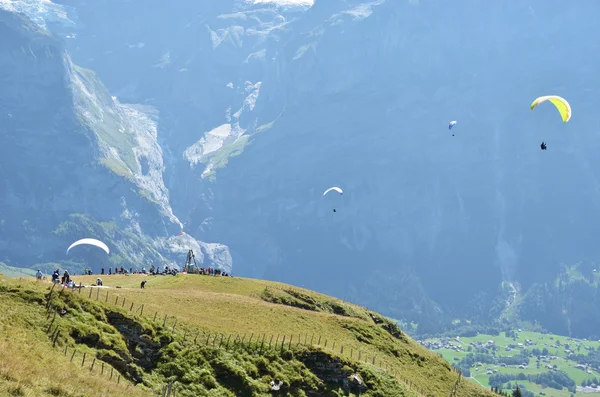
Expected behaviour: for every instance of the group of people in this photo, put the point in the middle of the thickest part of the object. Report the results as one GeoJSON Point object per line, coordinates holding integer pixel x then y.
{"type": "Point", "coordinates": [210, 271]}
{"type": "Point", "coordinates": [65, 279]}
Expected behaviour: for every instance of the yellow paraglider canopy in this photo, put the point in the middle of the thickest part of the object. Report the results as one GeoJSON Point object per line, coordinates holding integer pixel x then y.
{"type": "Point", "coordinates": [561, 104]}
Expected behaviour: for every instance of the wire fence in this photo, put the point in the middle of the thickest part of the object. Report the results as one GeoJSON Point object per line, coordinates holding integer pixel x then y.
{"type": "Point", "coordinates": [249, 341]}
{"type": "Point", "coordinates": [87, 360]}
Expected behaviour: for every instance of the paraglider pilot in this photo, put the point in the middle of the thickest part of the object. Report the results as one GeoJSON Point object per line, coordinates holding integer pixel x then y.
{"type": "Point", "coordinates": [543, 146]}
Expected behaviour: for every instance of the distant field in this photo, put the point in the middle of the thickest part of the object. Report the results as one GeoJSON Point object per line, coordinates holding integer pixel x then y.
{"type": "Point", "coordinates": [540, 342]}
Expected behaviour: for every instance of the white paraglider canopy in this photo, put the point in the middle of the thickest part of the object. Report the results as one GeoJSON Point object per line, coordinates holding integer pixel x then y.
{"type": "Point", "coordinates": [337, 189]}
{"type": "Point", "coordinates": [89, 241]}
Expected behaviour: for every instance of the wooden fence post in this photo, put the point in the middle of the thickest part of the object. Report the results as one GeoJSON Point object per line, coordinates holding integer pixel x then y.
{"type": "Point", "coordinates": [116, 300]}
{"type": "Point", "coordinates": [174, 324]}
{"type": "Point", "coordinates": [83, 361]}
{"type": "Point", "coordinates": [319, 342]}
{"type": "Point", "coordinates": [124, 299]}
{"type": "Point", "coordinates": [165, 320]}
{"type": "Point", "coordinates": [102, 370]}
{"type": "Point", "coordinates": [98, 294]}
{"type": "Point", "coordinates": [73, 355]}
{"type": "Point", "coordinates": [55, 338]}
{"type": "Point", "coordinates": [90, 295]}
{"type": "Point", "coordinates": [93, 362]}
{"type": "Point", "coordinates": [131, 308]}
{"type": "Point", "coordinates": [282, 343]}
{"type": "Point", "coordinates": [155, 316]}
{"type": "Point", "coordinates": [66, 347]}
{"type": "Point", "coordinates": [106, 300]}
{"type": "Point", "coordinates": [142, 311]}
{"type": "Point", "coordinates": [50, 295]}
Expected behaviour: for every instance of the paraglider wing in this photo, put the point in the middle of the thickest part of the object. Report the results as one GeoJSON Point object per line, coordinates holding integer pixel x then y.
{"type": "Point", "coordinates": [180, 234]}
{"type": "Point", "coordinates": [90, 241]}
{"type": "Point", "coordinates": [561, 105]}
{"type": "Point", "coordinates": [337, 189]}
{"type": "Point", "coordinates": [452, 124]}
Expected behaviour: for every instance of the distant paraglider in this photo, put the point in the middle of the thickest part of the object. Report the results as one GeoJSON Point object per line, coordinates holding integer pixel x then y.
{"type": "Point", "coordinates": [452, 124]}
{"type": "Point", "coordinates": [334, 188]}
{"type": "Point", "coordinates": [561, 105]}
{"type": "Point", "coordinates": [90, 241]}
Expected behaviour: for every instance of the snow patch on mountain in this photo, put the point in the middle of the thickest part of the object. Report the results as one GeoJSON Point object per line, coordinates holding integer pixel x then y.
{"type": "Point", "coordinates": [285, 3]}
{"type": "Point", "coordinates": [39, 11]}
{"type": "Point", "coordinates": [206, 254]}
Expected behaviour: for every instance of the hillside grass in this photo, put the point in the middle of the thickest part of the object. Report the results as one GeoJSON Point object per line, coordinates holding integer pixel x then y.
{"type": "Point", "coordinates": [29, 366]}
{"type": "Point", "coordinates": [239, 307]}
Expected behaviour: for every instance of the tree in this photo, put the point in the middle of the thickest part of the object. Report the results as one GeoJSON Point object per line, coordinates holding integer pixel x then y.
{"type": "Point", "coordinates": [517, 392]}
{"type": "Point", "coordinates": [544, 352]}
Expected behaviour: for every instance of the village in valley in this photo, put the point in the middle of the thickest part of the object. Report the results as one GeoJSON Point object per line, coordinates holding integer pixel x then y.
{"type": "Point", "coordinates": [540, 364]}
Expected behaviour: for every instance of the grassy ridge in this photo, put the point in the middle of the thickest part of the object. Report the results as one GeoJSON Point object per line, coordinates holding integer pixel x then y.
{"type": "Point", "coordinates": [235, 306]}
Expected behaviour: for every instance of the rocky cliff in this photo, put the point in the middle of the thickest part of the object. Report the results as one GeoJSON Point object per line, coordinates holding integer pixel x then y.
{"type": "Point", "coordinates": [76, 162]}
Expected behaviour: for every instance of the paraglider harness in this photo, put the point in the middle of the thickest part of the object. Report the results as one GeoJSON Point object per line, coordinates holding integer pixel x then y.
{"type": "Point", "coordinates": [543, 146]}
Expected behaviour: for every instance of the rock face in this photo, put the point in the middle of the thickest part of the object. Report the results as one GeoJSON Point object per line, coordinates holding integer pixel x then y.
{"type": "Point", "coordinates": [264, 105]}
{"type": "Point", "coordinates": [69, 149]}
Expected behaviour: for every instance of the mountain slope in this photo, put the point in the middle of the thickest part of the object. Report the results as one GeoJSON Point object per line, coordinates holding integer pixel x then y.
{"type": "Point", "coordinates": [358, 94]}
{"type": "Point", "coordinates": [263, 106]}
{"type": "Point", "coordinates": [193, 345]}
{"type": "Point", "coordinates": [77, 163]}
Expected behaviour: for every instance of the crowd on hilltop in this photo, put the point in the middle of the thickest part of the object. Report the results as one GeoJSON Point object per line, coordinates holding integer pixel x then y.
{"type": "Point", "coordinates": [65, 279]}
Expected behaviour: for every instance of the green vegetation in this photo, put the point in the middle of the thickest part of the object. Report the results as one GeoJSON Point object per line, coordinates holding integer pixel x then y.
{"type": "Point", "coordinates": [538, 362]}
{"type": "Point", "coordinates": [208, 336]}
{"type": "Point", "coordinates": [97, 112]}
{"type": "Point", "coordinates": [10, 271]}
{"type": "Point", "coordinates": [220, 158]}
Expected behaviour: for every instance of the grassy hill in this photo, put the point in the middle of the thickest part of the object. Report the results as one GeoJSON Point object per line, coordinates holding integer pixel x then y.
{"type": "Point", "coordinates": [558, 354]}
{"type": "Point", "coordinates": [203, 335]}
